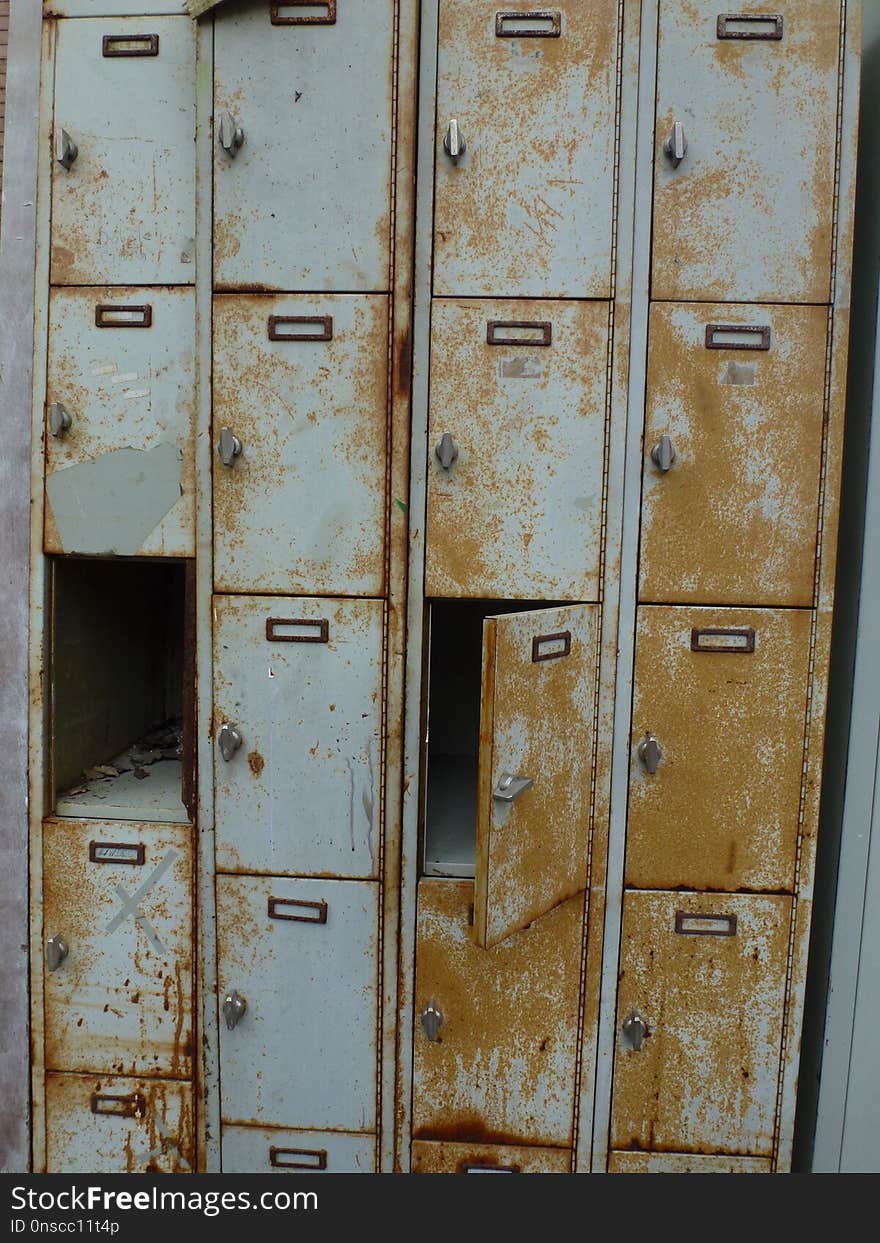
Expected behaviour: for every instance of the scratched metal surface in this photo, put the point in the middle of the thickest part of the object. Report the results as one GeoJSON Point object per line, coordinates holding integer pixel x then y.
{"type": "Point", "coordinates": [434, 1158]}
{"type": "Point", "coordinates": [747, 216]}
{"type": "Point", "coordinates": [148, 1128]}
{"type": "Point", "coordinates": [527, 210]}
{"type": "Point", "coordinates": [721, 811]}
{"type": "Point", "coordinates": [705, 1077]}
{"type": "Point", "coordinates": [304, 1054]}
{"type": "Point", "coordinates": [306, 202]}
{"type": "Point", "coordinates": [302, 794]}
{"type": "Point", "coordinates": [537, 721]}
{"type": "Point", "coordinates": [302, 509]}
{"type": "Point", "coordinates": [124, 213]}
{"type": "Point", "coordinates": [519, 514]}
{"type": "Point", "coordinates": [122, 476]}
{"type": "Point", "coordinates": [733, 521]}
{"type": "Point", "coordinates": [272, 1150]}
{"type": "Point", "coordinates": [503, 1068]}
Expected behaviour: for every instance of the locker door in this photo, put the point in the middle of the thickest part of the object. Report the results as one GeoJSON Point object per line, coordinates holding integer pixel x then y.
{"type": "Point", "coordinates": [119, 896]}
{"type": "Point", "coordinates": [305, 202]}
{"type": "Point", "coordinates": [297, 727]}
{"type": "Point", "coordinates": [699, 1020]}
{"type": "Point", "coordinates": [745, 214]}
{"type": "Point", "coordinates": [524, 156]}
{"type": "Point", "coordinates": [120, 410]}
{"type": "Point", "coordinates": [488, 1159]}
{"type": "Point", "coordinates": [301, 955]}
{"type": "Point", "coordinates": [302, 383]}
{"type": "Point", "coordinates": [100, 8]}
{"type": "Point", "coordinates": [684, 1163]}
{"type": "Point", "coordinates": [535, 765]}
{"type": "Point", "coordinates": [738, 391]}
{"type": "Point", "coordinates": [123, 194]}
{"type": "Point", "coordinates": [722, 692]}
{"type": "Point", "coordinates": [516, 449]}
{"type": "Point", "coordinates": [270, 1150]}
{"type": "Point", "coordinates": [99, 1124]}
{"type": "Point", "coordinates": [501, 1069]}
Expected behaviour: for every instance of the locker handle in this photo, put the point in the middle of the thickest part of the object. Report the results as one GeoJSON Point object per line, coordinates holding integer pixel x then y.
{"type": "Point", "coordinates": [650, 753]}
{"type": "Point", "coordinates": [56, 951]}
{"type": "Point", "coordinates": [635, 1030]}
{"type": "Point", "coordinates": [132, 1106]}
{"type": "Point", "coordinates": [446, 451]}
{"type": "Point", "coordinates": [675, 145]}
{"type": "Point", "coordinates": [319, 1155]}
{"type": "Point", "coordinates": [66, 149]}
{"type": "Point", "coordinates": [59, 420]}
{"type": "Point", "coordinates": [453, 142]}
{"type": "Point", "coordinates": [229, 740]}
{"type": "Point", "coordinates": [234, 1007]}
{"type": "Point", "coordinates": [228, 446]}
{"type": "Point", "coordinates": [307, 19]}
{"type": "Point", "coordinates": [432, 1019]}
{"type": "Point", "coordinates": [663, 454]}
{"type": "Point", "coordinates": [230, 135]}
{"type": "Point", "coordinates": [510, 787]}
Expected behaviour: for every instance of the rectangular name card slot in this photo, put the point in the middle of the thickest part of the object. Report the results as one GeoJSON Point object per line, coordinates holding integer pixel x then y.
{"type": "Point", "coordinates": [132, 1106]}
{"type": "Point", "coordinates": [688, 925]}
{"type": "Point", "coordinates": [308, 13]}
{"type": "Point", "coordinates": [285, 908]}
{"type": "Point", "coordinates": [107, 316]}
{"type": "Point", "coordinates": [300, 327]}
{"type": "Point", "coordinates": [737, 337]}
{"type": "Point", "coordinates": [489, 1169]}
{"type": "Point", "coordinates": [518, 332]}
{"type": "Point", "coordinates": [531, 24]}
{"type": "Point", "coordinates": [712, 639]}
{"type": "Point", "coordinates": [317, 629]}
{"type": "Point", "coordinates": [130, 45]}
{"type": "Point", "coordinates": [750, 26]}
{"type": "Point", "coordinates": [551, 646]}
{"type": "Point", "coordinates": [117, 852]}
{"type": "Point", "coordinates": [298, 1158]}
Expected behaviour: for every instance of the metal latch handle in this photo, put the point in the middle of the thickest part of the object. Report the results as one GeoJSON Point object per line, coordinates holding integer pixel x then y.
{"type": "Point", "coordinates": [57, 950]}
{"type": "Point", "coordinates": [453, 142]}
{"type": "Point", "coordinates": [635, 1029]}
{"type": "Point", "coordinates": [59, 419]}
{"type": "Point", "coordinates": [650, 753]}
{"type": "Point", "coordinates": [675, 146]}
{"type": "Point", "coordinates": [228, 446]}
{"type": "Point", "coordinates": [230, 740]}
{"type": "Point", "coordinates": [511, 786]}
{"type": "Point", "coordinates": [234, 1007]}
{"type": "Point", "coordinates": [432, 1020]}
{"type": "Point", "coordinates": [230, 135]}
{"type": "Point", "coordinates": [446, 451]}
{"type": "Point", "coordinates": [66, 149]}
{"type": "Point", "coordinates": [663, 454]}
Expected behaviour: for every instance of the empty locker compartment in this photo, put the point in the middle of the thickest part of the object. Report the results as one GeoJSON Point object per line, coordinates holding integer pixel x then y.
{"type": "Point", "coordinates": [439, 1158]}
{"type": "Point", "coordinates": [117, 931]}
{"type": "Point", "coordinates": [120, 409]}
{"type": "Point", "coordinates": [273, 1150]}
{"type": "Point", "coordinates": [99, 1124]}
{"type": "Point", "coordinates": [121, 652]}
{"type": "Point", "coordinates": [509, 755]}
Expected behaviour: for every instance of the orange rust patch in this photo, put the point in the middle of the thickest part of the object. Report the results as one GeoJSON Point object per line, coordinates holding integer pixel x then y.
{"type": "Point", "coordinates": [256, 763]}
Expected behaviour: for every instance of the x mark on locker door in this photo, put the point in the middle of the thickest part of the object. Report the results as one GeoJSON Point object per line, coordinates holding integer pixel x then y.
{"type": "Point", "coordinates": [535, 765]}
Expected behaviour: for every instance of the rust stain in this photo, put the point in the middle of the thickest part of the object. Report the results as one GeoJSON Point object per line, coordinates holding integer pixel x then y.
{"type": "Point", "coordinates": [453, 1158]}
{"type": "Point", "coordinates": [256, 763]}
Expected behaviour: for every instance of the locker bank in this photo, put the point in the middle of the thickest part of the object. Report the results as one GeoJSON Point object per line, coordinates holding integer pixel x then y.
{"type": "Point", "coordinates": [430, 511]}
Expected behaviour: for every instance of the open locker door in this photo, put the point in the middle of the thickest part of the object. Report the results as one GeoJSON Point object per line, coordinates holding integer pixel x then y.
{"type": "Point", "coordinates": [535, 766]}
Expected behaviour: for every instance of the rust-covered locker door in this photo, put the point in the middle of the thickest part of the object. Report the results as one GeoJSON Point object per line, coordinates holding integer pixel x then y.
{"type": "Point", "coordinates": [297, 733]}
{"type": "Point", "coordinates": [272, 1150]}
{"type": "Point", "coordinates": [434, 1158]}
{"type": "Point", "coordinates": [123, 152]}
{"type": "Point", "coordinates": [535, 765]}
{"type": "Point", "coordinates": [99, 1124]}
{"type": "Point", "coordinates": [304, 134]}
{"type": "Point", "coordinates": [733, 438]}
{"type": "Point", "coordinates": [719, 711]}
{"type": "Point", "coordinates": [699, 1022]}
{"type": "Point", "coordinates": [300, 431]}
{"type": "Point", "coordinates": [297, 965]}
{"type": "Point", "coordinates": [525, 149]}
{"type": "Point", "coordinates": [120, 408]}
{"type": "Point", "coordinates": [516, 447]}
{"type": "Point", "coordinates": [495, 1039]}
{"type": "Point", "coordinates": [745, 147]}
{"type": "Point", "coordinates": [118, 926]}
